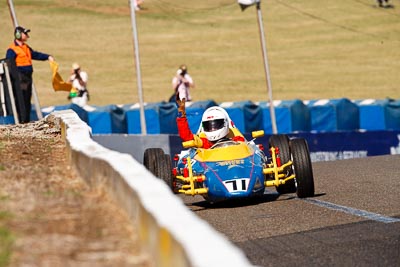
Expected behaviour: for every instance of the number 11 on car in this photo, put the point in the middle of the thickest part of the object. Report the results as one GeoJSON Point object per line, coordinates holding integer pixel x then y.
{"type": "Point", "coordinates": [237, 185]}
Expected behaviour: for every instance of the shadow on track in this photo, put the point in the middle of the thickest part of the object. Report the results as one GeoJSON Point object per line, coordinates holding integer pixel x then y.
{"type": "Point", "coordinates": [235, 203]}
{"type": "Point", "coordinates": [243, 202]}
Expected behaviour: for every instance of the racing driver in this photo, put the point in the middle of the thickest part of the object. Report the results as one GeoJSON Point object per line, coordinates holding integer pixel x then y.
{"type": "Point", "coordinates": [216, 126]}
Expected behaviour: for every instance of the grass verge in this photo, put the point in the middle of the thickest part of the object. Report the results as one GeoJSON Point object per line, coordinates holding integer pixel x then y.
{"type": "Point", "coordinates": [336, 49]}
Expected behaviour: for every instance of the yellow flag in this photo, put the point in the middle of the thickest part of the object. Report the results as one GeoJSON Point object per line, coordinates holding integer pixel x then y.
{"type": "Point", "coordinates": [57, 80]}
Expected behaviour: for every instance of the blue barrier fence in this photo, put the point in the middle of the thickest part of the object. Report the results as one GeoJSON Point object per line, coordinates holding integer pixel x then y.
{"type": "Point", "coordinates": [323, 146]}
{"type": "Point", "coordinates": [292, 116]}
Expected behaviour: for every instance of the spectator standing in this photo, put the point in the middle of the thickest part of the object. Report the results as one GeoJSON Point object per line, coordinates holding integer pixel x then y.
{"type": "Point", "coordinates": [380, 3]}
{"type": "Point", "coordinates": [137, 4]}
{"type": "Point", "coordinates": [22, 54]}
{"type": "Point", "coordinates": [182, 83]}
{"type": "Point", "coordinates": [79, 80]}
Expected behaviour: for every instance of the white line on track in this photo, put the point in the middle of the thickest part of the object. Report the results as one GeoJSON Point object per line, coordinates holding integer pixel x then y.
{"type": "Point", "coordinates": [352, 211]}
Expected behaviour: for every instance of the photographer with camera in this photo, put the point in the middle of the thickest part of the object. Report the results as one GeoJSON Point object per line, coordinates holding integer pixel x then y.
{"type": "Point", "coordinates": [181, 83]}
{"type": "Point", "coordinates": [79, 94]}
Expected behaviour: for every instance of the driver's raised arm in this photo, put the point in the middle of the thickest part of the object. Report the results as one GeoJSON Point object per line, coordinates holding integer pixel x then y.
{"type": "Point", "coordinates": [183, 126]}
{"type": "Point", "coordinates": [215, 126]}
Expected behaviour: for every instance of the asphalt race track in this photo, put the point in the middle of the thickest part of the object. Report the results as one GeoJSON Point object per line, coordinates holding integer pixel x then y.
{"type": "Point", "coordinates": [354, 219]}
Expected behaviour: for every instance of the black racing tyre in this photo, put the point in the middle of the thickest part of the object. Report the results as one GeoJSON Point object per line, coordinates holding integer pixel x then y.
{"type": "Point", "coordinates": [302, 167]}
{"type": "Point", "coordinates": [164, 169]}
{"type": "Point", "coordinates": [150, 158]}
{"type": "Point", "coordinates": [282, 142]}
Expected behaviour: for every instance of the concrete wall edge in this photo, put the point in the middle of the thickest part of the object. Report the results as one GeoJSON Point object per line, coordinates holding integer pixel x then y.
{"type": "Point", "coordinates": [175, 235]}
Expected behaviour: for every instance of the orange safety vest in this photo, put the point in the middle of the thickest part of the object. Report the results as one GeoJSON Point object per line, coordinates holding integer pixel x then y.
{"type": "Point", "coordinates": [24, 56]}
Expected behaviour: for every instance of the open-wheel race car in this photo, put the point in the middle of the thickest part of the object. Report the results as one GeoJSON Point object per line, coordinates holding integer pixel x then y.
{"type": "Point", "coordinates": [233, 169]}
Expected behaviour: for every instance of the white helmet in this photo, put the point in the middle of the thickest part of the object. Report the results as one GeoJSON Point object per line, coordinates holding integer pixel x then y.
{"type": "Point", "coordinates": [215, 123]}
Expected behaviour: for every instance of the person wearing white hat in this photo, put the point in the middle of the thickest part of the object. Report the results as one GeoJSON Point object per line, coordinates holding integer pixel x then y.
{"type": "Point", "coordinates": [79, 94]}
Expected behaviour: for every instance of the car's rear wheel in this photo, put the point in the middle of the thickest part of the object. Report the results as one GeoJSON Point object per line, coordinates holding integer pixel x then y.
{"type": "Point", "coordinates": [150, 158]}
{"type": "Point", "coordinates": [282, 142]}
{"type": "Point", "coordinates": [302, 167]}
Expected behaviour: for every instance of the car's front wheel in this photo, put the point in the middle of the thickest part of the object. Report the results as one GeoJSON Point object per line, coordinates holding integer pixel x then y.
{"type": "Point", "coordinates": [150, 158]}
{"type": "Point", "coordinates": [159, 164]}
{"type": "Point", "coordinates": [302, 168]}
{"type": "Point", "coordinates": [164, 169]}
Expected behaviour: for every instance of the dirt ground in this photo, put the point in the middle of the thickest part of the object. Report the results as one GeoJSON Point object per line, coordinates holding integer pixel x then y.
{"type": "Point", "coordinates": [55, 219]}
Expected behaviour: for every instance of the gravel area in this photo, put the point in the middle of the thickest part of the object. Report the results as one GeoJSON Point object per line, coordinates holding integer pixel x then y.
{"type": "Point", "coordinates": [55, 219]}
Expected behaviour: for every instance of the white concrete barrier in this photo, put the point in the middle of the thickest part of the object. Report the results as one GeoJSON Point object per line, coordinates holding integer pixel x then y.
{"type": "Point", "coordinates": [172, 234]}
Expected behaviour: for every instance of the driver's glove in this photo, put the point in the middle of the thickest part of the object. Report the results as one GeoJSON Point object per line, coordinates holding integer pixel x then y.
{"type": "Point", "coordinates": [181, 107]}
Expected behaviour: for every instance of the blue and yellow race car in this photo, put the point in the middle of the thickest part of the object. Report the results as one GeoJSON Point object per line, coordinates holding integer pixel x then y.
{"type": "Point", "coordinates": [231, 169]}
